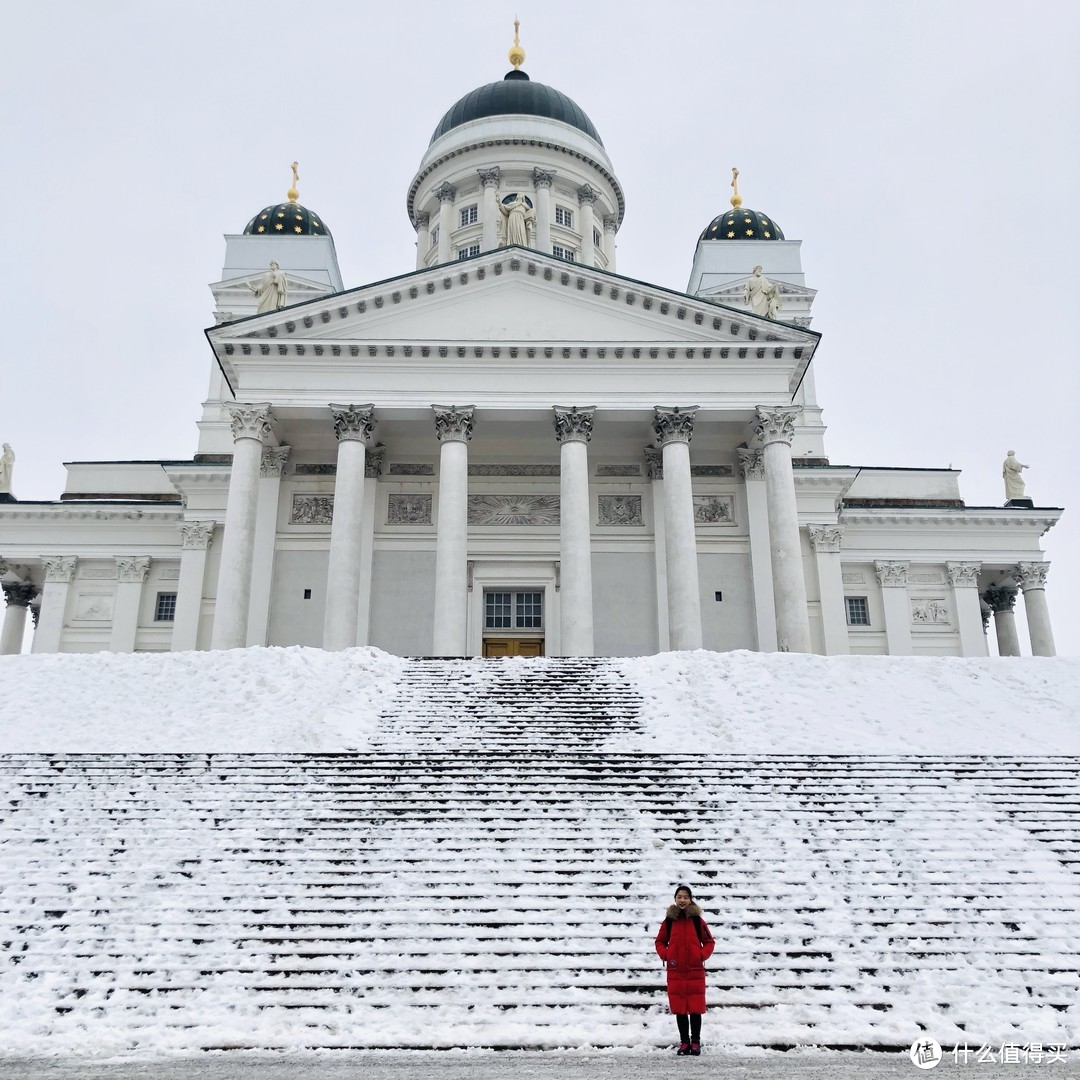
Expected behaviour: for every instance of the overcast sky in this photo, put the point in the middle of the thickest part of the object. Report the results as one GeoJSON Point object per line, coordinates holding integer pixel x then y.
{"type": "Point", "coordinates": [925, 153]}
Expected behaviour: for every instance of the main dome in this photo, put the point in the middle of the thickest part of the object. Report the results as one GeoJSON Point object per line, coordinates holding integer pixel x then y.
{"type": "Point", "coordinates": [516, 95]}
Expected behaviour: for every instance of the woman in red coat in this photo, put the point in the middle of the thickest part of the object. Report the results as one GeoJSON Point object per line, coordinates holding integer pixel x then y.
{"type": "Point", "coordinates": [684, 944]}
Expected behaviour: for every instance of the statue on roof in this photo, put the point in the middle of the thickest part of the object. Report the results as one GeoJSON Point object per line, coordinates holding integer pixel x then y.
{"type": "Point", "coordinates": [1011, 473]}
{"type": "Point", "coordinates": [762, 295]}
{"type": "Point", "coordinates": [7, 467]}
{"type": "Point", "coordinates": [272, 290]}
{"type": "Point", "coordinates": [519, 216]}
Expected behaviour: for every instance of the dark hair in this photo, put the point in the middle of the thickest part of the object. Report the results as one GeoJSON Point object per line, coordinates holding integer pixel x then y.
{"type": "Point", "coordinates": [686, 889]}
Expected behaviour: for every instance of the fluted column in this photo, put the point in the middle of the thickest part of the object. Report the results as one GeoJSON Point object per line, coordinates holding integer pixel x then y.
{"type": "Point", "coordinates": [573, 430]}
{"type": "Point", "coordinates": [674, 428]}
{"type": "Point", "coordinates": [131, 571]}
{"type": "Point", "coordinates": [542, 179]}
{"type": "Point", "coordinates": [59, 570]}
{"type": "Point", "coordinates": [353, 427]}
{"type": "Point", "coordinates": [489, 178]}
{"type": "Point", "coordinates": [195, 540]}
{"type": "Point", "coordinates": [611, 224]}
{"type": "Point", "coordinates": [964, 578]}
{"type": "Point", "coordinates": [776, 428]}
{"type": "Point", "coordinates": [446, 195]}
{"type": "Point", "coordinates": [17, 596]}
{"type": "Point", "coordinates": [586, 198]}
{"type": "Point", "coordinates": [1000, 599]}
{"type": "Point", "coordinates": [1032, 579]}
{"type": "Point", "coordinates": [422, 224]}
{"type": "Point", "coordinates": [825, 542]}
{"type": "Point", "coordinates": [893, 579]}
{"type": "Point", "coordinates": [453, 429]}
{"type": "Point", "coordinates": [250, 425]}
{"type": "Point", "coordinates": [752, 463]}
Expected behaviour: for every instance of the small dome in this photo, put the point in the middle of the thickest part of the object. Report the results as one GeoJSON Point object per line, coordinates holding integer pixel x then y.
{"type": "Point", "coordinates": [286, 219]}
{"type": "Point", "coordinates": [742, 224]}
{"type": "Point", "coordinates": [516, 95]}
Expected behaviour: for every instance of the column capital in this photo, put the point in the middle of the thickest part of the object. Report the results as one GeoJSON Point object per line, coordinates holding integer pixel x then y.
{"type": "Point", "coordinates": [586, 195]}
{"type": "Point", "coordinates": [421, 221]}
{"type": "Point", "coordinates": [611, 223]}
{"type": "Point", "coordinates": [542, 178]}
{"type": "Point", "coordinates": [963, 575]}
{"type": "Point", "coordinates": [573, 424]}
{"type": "Point", "coordinates": [453, 423]}
{"type": "Point", "coordinates": [374, 460]}
{"type": "Point", "coordinates": [673, 424]}
{"type": "Point", "coordinates": [892, 575]}
{"type": "Point", "coordinates": [353, 423]}
{"type": "Point", "coordinates": [133, 568]}
{"type": "Point", "coordinates": [445, 192]}
{"type": "Point", "coordinates": [250, 421]}
{"type": "Point", "coordinates": [776, 425]}
{"type": "Point", "coordinates": [59, 568]}
{"type": "Point", "coordinates": [825, 538]}
{"type": "Point", "coordinates": [489, 177]}
{"type": "Point", "coordinates": [1031, 575]}
{"type": "Point", "coordinates": [752, 463]}
{"type": "Point", "coordinates": [654, 462]}
{"type": "Point", "coordinates": [19, 593]}
{"type": "Point", "coordinates": [196, 535]}
{"type": "Point", "coordinates": [1000, 598]}
{"type": "Point", "coordinates": [274, 459]}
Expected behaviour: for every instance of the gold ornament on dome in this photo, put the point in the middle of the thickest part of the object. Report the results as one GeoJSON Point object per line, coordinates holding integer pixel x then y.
{"type": "Point", "coordinates": [293, 192]}
{"type": "Point", "coordinates": [736, 199]}
{"type": "Point", "coordinates": [516, 55]}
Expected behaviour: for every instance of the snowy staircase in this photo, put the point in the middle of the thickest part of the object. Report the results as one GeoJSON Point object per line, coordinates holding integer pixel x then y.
{"type": "Point", "coordinates": [491, 870]}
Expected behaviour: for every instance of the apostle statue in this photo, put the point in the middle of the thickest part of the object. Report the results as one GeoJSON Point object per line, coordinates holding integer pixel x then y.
{"type": "Point", "coordinates": [762, 295]}
{"type": "Point", "coordinates": [272, 291]}
{"type": "Point", "coordinates": [1014, 482]}
{"type": "Point", "coordinates": [519, 215]}
{"type": "Point", "coordinates": [7, 467]}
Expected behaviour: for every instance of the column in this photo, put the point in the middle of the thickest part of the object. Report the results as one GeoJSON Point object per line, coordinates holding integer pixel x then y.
{"type": "Point", "coordinates": [59, 570]}
{"type": "Point", "coordinates": [374, 458]}
{"type": "Point", "coordinates": [131, 570]}
{"type": "Point", "coordinates": [542, 179]}
{"type": "Point", "coordinates": [776, 427]}
{"type": "Point", "coordinates": [17, 595]}
{"type": "Point", "coordinates": [893, 578]}
{"type": "Point", "coordinates": [825, 541]}
{"type": "Point", "coordinates": [195, 540]}
{"type": "Point", "coordinates": [573, 431]}
{"type": "Point", "coordinates": [274, 459]}
{"type": "Point", "coordinates": [446, 195]}
{"type": "Point", "coordinates": [1000, 599]}
{"type": "Point", "coordinates": [654, 466]}
{"type": "Point", "coordinates": [250, 425]}
{"type": "Point", "coordinates": [1032, 578]}
{"type": "Point", "coordinates": [611, 223]}
{"type": "Point", "coordinates": [489, 179]}
{"type": "Point", "coordinates": [674, 427]}
{"type": "Point", "coordinates": [353, 426]}
{"type": "Point", "coordinates": [757, 512]}
{"type": "Point", "coordinates": [422, 225]}
{"type": "Point", "coordinates": [586, 198]}
{"type": "Point", "coordinates": [453, 429]}
{"type": "Point", "coordinates": [964, 578]}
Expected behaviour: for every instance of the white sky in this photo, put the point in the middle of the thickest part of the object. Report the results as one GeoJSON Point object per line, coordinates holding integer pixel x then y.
{"type": "Point", "coordinates": [924, 152]}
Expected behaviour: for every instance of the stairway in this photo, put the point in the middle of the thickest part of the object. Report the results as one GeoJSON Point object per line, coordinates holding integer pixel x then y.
{"type": "Point", "coordinates": [501, 886]}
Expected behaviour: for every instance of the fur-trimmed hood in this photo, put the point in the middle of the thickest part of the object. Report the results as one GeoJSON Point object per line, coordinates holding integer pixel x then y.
{"type": "Point", "coordinates": [692, 909]}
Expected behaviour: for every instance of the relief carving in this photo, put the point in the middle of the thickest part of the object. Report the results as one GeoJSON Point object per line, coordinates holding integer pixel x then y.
{"type": "Point", "coordinates": [930, 612]}
{"type": "Point", "coordinates": [513, 509]}
{"type": "Point", "coordinates": [714, 509]}
{"type": "Point", "coordinates": [312, 510]}
{"type": "Point", "coordinates": [619, 509]}
{"type": "Point", "coordinates": [408, 509]}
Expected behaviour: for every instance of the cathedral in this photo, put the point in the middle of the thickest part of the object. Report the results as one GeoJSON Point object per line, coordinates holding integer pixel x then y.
{"type": "Point", "coordinates": [514, 450]}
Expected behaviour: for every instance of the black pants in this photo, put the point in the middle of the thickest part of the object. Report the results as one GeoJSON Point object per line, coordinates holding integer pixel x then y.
{"type": "Point", "coordinates": [689, 1026]}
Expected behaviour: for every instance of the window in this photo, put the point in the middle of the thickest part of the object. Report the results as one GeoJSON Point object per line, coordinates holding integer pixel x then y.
{"type": "Point", "coordinates": [562, 253]}
{"type": "Point", "coordinates": [564, 217]}
{"type": "Point", "coordinates": [468, 252]}
{"type": "Point", "coordinates": [513, 611]}
{"type": "Point", "coordinates": [468, 215]}
{"type": "Point", "coordinates": [435, 236]}
{"type": "Point", "coordinates": [596, 237]}
{"type": "Point", "coordinates": [165, 608]}
{"type": "Point", "coordinates": [858, 611]}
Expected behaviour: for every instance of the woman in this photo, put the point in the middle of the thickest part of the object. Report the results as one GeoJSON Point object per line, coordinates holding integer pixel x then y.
{"type": "Point", "coordinates": [684, 944]}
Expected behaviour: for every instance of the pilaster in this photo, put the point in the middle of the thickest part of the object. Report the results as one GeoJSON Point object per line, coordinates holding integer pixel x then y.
{"type": "Point", "coordinates": [825, 541]}
{"type": "Point", "coordinates": [893, 579]}
{"type": "Point", "coordinates": [654, 467]}
{"type": "Point", "coordinates": [195, 540]}
{"type": "Point", "coordinates": [271, 470]}
{"type": "Point", "coordinates": [964, 579]}
{"type": "Point", "coordinates": [59, 570]}
{"type": "Point", "coordinates": [752, 464]}
{"type": "Point", "coordinates": [131, 571]}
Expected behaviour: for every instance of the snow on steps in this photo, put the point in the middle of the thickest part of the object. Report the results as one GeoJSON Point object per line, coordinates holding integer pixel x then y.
{"type": "Point", "coordinates": [501, 886]}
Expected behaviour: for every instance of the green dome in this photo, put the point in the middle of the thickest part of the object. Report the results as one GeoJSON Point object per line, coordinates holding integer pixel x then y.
{"type": "Point", "coordinates": [516, 95]}
{"type": "Point", "coordinates": [742, 224]}
{"type": "Point", "coordinates": [286, 219]}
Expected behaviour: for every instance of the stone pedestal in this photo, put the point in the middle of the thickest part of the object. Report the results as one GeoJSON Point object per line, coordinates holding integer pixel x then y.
{"type": "Point", "coordinates": [573, 429]}
{"type": "Point", "coordinates": [1032, 578]}
{"type": "Point", "coordinates": [1001, 599]}
{"type": "Point", "coordinates": [453, 428]}
{"type": "Point", "coordinates": [17, 595]}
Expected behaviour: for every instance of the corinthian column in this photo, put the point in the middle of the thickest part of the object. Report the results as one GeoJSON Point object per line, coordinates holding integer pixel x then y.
{"type": "Point", "coordinates": [353, 427]}
{"type": "Point", "coordinates": [542, 182]}
{"type": "Point", "coordinates": [776, 427]}
{"type": "Point", "coordinates": [893, 579]}
{"type": "Point", "coordinates": [446, 196]}
{"type": "Point", "coordinates": [1000, 599]}
{"type": "Point", "coordinates": [422, 225]}
{"type": "Point", "coordinates": [59, 570]}
{"type": "Point", "coordinates": [489, 178]}
{"type": "Point", "coordinates": [586, 198]}
{"type": "Point", "coordinates": [453, 429]}
{"type": "Point", "coordinates": [825, 542]}
{"type": "Point", "coordinates": [573, 430]}
{"type": "Point", "coordinates": [18, 595]}
{"type": "Point", "coordinates": [250, 425]}
{"type": "Point", "coordinates": [964, 578]}
{"type": "Point", "coordinates": [131, 570]}
{"type": "Point", "coordinates": [1032, 578]}
{"type": "Point", "coordinates": [674, 429]}
{"type": "Point", "coordinates": [195, 540]}
{"type": "Point", "coordinates": [611, 224]}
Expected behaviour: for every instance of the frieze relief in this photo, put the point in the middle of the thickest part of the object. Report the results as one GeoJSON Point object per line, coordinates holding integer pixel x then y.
{"type": "Point", "coordinates": [619, 510]}
{"type": "Point", "coordinates": [308, 468]}
{"type": "Point", "coordinates": [408, 509]}
{"type": "Point", "coordinates": [930, 611]}
{"type": "Point", "coordinates": [853, 579]}
{"type": "Point", "coordinates": [714, 509]}
{"type": "Point", "coordinates": [513, 509]}
{"type": "Point", "coordinates": [97, 573]}
{"type": "Point", "coordinates": [312, 510]}
{"type": "Point", "coordinates": [711, 470]}
{"type": "Point", "coordinates": [482, 469]}
{"type": "Point", "coordinates": [408, 468]}
{"type": "Point", "coordinates": [93, 607]}
{"type": "Point", "coordinates": [618, 470]}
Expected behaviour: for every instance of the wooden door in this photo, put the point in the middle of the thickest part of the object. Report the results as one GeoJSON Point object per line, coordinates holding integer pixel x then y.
{"type": "Point", "coordinates": [513, 647]}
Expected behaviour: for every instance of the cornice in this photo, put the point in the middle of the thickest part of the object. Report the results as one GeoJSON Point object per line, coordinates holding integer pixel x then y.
{"type": "Point", "coordinates": [83, 512]}
{"type": "Point", "coordinates": [980, 518]}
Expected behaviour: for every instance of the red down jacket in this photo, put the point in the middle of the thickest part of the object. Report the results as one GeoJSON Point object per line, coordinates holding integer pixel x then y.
{"type": "Point", "coordinates": [685, 958]}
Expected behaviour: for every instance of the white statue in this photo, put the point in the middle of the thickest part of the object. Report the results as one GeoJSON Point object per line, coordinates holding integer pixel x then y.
{"type": "Point", "coordinates": [762, 295]}
{"type": "Point", "coordinates": [1014, 482]}
{"type": "Point", "coordinates": [7, 467]}
{"type": "Point", "coordinates": [519, 215]}
{"type": "Point", "coordinates": [272, 291]}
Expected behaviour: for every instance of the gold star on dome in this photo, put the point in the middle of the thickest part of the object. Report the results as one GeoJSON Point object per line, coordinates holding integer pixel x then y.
{"type": "Point", "coordinates": [746, 221]}
{"type": "Point", "coordinates": [731, 236]}
{"type": "Point", "coordinates": [731, 222]}
{"type": "Point", "coordinates": [764, 221]}
{"type": "Point", "coordinates": [279, 226]}
{"type": "Point", "coordinates": [296, 228]}
{"type": "Point", "coordinates": [264, 217]}
{"type": "Point", "coordinates": [315, 223]}
{"type": "Point", "coordinates": [261, 228]}
{"type": "Point", "coordinates": [281, 213]}
{"type": "Point", "coordinates": [768, 236]}
{"type": "Point", "coordinates": [749, 232]}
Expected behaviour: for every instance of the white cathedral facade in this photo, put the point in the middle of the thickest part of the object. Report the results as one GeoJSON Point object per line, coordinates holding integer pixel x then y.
{"type": "Point", "coordinates": [514, 450]}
